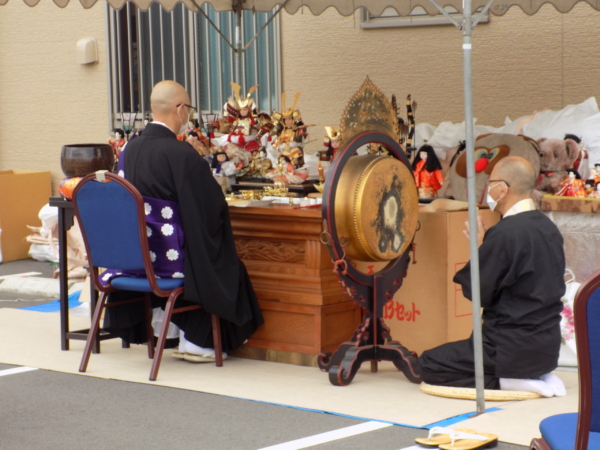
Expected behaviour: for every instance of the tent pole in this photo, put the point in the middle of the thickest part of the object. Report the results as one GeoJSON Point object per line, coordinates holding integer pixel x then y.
{"type": "Point", "coordinates": [474, 248]}
{"type": "Point", "coordinates": [466, 27]}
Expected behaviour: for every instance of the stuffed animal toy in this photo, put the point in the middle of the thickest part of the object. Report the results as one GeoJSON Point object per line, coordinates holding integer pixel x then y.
{"type": "Point", "coordinates": [582, 163]}
{"type": "Point", "coordinates": [489, 149]}
{"type": "Point", "coordinates": [556, 156]}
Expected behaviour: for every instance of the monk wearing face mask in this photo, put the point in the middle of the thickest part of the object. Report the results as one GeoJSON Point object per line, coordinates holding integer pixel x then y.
{"type": "Point", "coordinates": [522, 265]}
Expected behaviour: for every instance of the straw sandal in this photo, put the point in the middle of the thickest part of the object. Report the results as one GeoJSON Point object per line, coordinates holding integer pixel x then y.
{"type": "Point", "coordinates": [191, 357]}
{"type": "Point", "coordinates": [177, 354]}
{"type": "Point", "coordinates": [439, 435]}
{"type": "Point", "coordinates": [463, 441]}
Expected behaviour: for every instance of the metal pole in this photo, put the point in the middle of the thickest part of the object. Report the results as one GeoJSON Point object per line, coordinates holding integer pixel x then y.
{"type": "Point", "coordinates": [238, 46]}
{"type": "Point", "coordinates": [474, 248]}
{"type": "Point", "coordinates": [141, 62]}
{"type": "Point", "coordinates": [112, 75]}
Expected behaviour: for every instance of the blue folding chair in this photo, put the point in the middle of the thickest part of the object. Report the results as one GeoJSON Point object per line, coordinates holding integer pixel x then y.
{"type": "Point", "coordinates": [580, 431]}
{"type": "Point", "coordinates": [110, 211]}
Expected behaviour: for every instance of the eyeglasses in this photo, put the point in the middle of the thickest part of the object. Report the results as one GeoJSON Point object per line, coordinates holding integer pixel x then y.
{"type": "Point", "coordinates": [488, 182]}
{"type": "Point", "coordinates": [190, 108]}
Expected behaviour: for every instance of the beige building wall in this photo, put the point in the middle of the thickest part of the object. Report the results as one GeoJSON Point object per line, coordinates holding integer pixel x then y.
{"type": "Point", "coordinates": [520, 63]}
{"type": "Point", "coordinates": [46, 98]}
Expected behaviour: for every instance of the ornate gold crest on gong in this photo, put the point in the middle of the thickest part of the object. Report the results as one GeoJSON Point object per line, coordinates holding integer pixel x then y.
{"type": "Point", "coordinates": [368, 110]}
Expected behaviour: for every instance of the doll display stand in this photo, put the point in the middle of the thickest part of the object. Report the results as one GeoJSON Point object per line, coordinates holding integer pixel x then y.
{"type": "Point", "coordinates": [301, 190]}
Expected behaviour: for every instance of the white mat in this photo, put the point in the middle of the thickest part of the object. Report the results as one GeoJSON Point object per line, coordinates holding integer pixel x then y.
{"type": "Point", "coordinates": [32, 339]}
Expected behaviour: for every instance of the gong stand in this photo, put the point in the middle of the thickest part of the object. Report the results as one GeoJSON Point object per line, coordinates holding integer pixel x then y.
{"type": "Point", "coordinates": [371, 340]}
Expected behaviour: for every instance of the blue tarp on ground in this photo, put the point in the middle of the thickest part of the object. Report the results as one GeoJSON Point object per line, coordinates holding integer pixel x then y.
{"type": "Point", "coordinates": [55, 305]}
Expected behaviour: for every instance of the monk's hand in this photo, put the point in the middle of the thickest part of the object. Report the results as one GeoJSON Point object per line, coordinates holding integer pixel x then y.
{"type": "Point", "coordinates": [481, 229]}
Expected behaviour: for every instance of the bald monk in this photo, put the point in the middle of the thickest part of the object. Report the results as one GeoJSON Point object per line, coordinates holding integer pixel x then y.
{"type": "Point", "coordinates": [161, 167]}
{"type": "Point", "coordinates": [522, 265]}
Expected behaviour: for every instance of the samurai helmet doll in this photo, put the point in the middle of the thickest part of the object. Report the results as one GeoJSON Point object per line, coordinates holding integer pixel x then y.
{"type": "Point", "coordinates": [237, 106]}
{"type": "Point", "coordinates": [333, 133]}
{"type": "Point", "coordinates": [332, 141]}
{"type": "Point", "coordinates": [289, 113]}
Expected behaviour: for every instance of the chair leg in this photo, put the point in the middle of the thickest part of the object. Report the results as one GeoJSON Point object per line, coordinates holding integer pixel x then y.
{"type": "Point", "coordinates": [160, 346]}
{"type": "Point", "coordinates": [216, 326]}
{"type": "Point", "coordinates": [539, 444]}
{"type": "Point", "coordinates": [149, 329]}
{"type": "Point", "coordinates": [93, 333]}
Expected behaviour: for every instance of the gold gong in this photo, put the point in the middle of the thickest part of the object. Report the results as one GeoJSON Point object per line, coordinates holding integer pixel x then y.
{"type": "Point", "coordinates": [376, 208]}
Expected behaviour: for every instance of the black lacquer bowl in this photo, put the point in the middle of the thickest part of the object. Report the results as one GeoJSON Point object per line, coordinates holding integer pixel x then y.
{"type": "Point", "coordinates": [78, 160]}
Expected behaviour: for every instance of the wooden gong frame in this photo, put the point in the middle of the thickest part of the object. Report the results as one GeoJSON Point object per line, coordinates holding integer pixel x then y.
{"type": "Point", "coordinates": [371, 340]}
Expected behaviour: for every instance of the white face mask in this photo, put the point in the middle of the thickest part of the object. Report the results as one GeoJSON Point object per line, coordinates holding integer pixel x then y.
{"type": "Point", "coordinates": [183, 124]}
{"type": "Point", "coordinates": [182, 129]}
{"type": "Point", "coordinates": [490, 201]}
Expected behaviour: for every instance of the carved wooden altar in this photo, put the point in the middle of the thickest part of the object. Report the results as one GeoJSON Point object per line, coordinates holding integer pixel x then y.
{"type": "Point", "coordinates": [305, 311]}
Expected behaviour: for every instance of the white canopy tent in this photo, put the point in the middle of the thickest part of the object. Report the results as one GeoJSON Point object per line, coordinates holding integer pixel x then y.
{"type": "Point", "coordinates": [375, 8]}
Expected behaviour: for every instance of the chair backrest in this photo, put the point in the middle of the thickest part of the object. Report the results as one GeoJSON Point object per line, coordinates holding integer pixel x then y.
{"type": "Point", "coordinates": [587, 330]}
{"type": "Point", "coordinates": [113, 224]}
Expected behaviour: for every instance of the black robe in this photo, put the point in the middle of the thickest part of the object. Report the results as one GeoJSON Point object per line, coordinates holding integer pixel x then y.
{"type": "Point", "coordinates": [162, 167]}
{"type": "Point", "coordinates": [522, 266]}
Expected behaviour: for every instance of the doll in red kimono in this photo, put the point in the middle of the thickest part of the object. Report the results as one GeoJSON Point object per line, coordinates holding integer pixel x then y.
{"type": "Point", "coordinates": [573, 186]}
{"type": "Point", "coordinates": [117, 142]}
{"type": "Point", "coordinates": [428, 172]}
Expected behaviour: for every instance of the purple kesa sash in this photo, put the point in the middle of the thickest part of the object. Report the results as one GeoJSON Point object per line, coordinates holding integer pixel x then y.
{"type": "Point", "coordinates": [165, 240]}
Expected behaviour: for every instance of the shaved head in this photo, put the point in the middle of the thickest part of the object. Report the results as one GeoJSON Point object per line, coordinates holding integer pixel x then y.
{"type": "Point", "coordinates": [517, 172]}
{"type": "Point", "coordinates": [165, 96]}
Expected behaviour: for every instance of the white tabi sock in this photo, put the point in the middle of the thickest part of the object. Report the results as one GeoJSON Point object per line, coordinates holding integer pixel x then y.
{"type": "Point", "coordinates": [555, 383]}
{"type": "Point", "coordinates": [193, 348]}
{"type": "Point", "coordinates": [181, 342]}
{"type": "Point", "coordinates": [157, 319]}
{"type": "Point", "coordinates": [523, 385]}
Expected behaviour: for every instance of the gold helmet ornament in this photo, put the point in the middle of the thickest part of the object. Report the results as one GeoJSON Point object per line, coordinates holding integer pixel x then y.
{"type": "Point", "coordinates": [290, 112]}
{"type": "Point", "coordinates": [334, 134]}
{"type": "Point", "coordinates": [236, 103]}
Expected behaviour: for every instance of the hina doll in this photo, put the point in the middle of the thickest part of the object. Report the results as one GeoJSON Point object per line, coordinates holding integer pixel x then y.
{"type": "Point", "coordinates": [195, 137]}
{"type": "Point", "coordinates": [332, 142]}
{"type": "Point", "coordinates": [199, 142]}
{"type": "Point", "coordinates": [594, 175]}
{"type": "Point", "coordinates": [596, 192]}
{"type": "Point", "coordinates": [117, 142]}
{"type": "Point", "coordinates": [573, 186]}
{"type": "Point", "coordinates": [223, 170]}
{"type": "Point", "coordinates": [590, 187]}
{"type": "Point", "coordinates": [428, 172]}
{"type": "Point", "coordinates": [286, 172]}
{"type": "Point", "coordinates": [242, 120]}
{"type": "Point", "coordinates": [289, 132]}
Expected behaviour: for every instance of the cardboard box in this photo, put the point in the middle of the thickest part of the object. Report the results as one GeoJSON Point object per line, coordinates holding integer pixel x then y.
{"type": "Point", "coordinates": [429, 309]}
{"type": "Point", "coordinates": [22, 195]}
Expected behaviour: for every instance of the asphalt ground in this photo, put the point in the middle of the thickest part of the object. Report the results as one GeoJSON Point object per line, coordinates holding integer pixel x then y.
{"type": "Point", "coordinates": [18, 300]}
{"type": "Point", "coordinates": [52, 410]}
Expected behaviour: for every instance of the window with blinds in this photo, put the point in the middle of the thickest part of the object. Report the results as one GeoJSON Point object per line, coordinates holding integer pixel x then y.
{"type": "Point", "coordinates": [146, 47]}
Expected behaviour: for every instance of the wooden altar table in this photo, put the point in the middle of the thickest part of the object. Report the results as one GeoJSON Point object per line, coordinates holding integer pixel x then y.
{"type": "Point", "coordinates": [303, 305]}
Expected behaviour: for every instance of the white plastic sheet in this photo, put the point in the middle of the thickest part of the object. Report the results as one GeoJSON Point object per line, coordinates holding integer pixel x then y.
{"type": "Point", "coordinates": [582, 120]}
{"type": "Point", "coordinates": [581, 234]}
